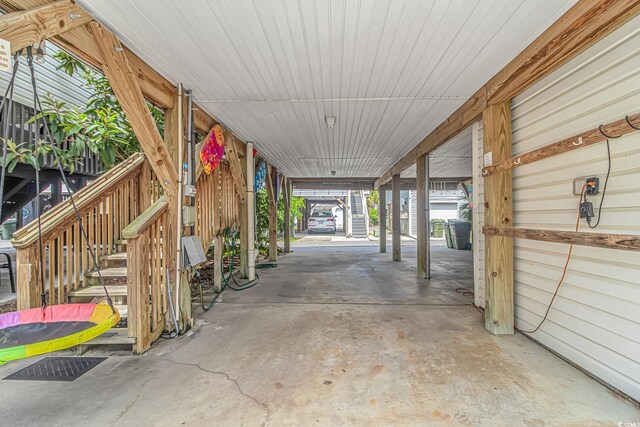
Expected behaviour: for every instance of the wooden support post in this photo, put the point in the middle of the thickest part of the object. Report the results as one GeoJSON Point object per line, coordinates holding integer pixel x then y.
{"type": "Point", "coordinates": [345, 213]}
{"type": "Point", "coordinates": [424, 236]}
{"type": "Point", "coordinates": [499, 317]}
{"type": "Point", "coordinates": [395, 218]}
{"type": "Point", "coordinates": [287, 215]}
{"type": "Point", "coordinates": [251, 212]}
{"type": "Point", "coordinates": [273, 213]}
{"type": "Point", "coordinates": [242, 230]}
{"type": "Point", "coordinates": [382, 217]}
{"type": "Point", "coordinates": [217, 263]}
{"type": "Point", "coordinates": [138, 303]}
{"type": "Point", "coordinates": [28, 279]}
{"type": "Point", "coordinates": [171, 131]}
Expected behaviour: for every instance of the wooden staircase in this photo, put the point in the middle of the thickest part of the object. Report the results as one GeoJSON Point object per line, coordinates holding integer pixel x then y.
{"type": "Point", "coordinates": [113, 268]}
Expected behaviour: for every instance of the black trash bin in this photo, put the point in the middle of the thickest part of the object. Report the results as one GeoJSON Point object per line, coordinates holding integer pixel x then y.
{"type": "Point", "coordinates": [461, 234]}
{"type": "Point", "coordinates": [447, 234]}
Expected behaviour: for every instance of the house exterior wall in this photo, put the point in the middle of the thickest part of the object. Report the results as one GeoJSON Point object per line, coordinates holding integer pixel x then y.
{"type": "Point", "coordinates": [63, 87]}
{"type": "Point", "coordinates": [595, 320]}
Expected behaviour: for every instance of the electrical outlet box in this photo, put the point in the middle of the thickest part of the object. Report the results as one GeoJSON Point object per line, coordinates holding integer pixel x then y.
{"type": "Point", "coordinates": [577, 185]}
{"type": "Point", "coordinates": [190, 190]}
{"type": "Point", "coordinates": [593, 186]}
{"type": "Point", "coordinates": [188, 216]}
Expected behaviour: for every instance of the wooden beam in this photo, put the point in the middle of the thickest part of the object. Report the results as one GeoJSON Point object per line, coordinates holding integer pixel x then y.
{"type": "Point", "coordinates": [333, 183]}
{"type": "Point", "coordinates": [30, 27]}
{"type": "Point", "coordinates": [423, 235]}
{"type": "Point", "coordinates": [125, 87]}
{"type": "Point", "coordinates": [498, 316]}
{"type": "Point", "coordinates": [616, 129]}
{"type": "Point", "coordinates": [580, 27]}
{"type": "Point", "coordinates": [236, 166]}
{"type": "Point", "coordinates": [395, 218]}
{"type": "Point", "coordinates": [625, 242]}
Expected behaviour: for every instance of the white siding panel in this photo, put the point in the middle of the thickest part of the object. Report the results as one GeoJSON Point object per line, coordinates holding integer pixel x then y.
{"type": "Point", "coordinates": [595, 320]}
{"type": "Point", "coordinates": [413, 213]}
{"type": "Point", "coordinates": [478, 213]}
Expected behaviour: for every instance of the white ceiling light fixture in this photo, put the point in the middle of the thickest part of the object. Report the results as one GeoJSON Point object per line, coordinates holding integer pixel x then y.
{"type": "Point", "coordinates": [330, 120]}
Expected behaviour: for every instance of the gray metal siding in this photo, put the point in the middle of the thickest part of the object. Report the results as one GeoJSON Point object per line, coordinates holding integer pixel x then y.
{"type": "Point", "coordinates": [595, 320]}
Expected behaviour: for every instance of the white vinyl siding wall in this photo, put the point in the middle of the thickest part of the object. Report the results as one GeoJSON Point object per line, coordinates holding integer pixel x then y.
{"type": "Point", "coordinates": [413, 214]}
{"type": "Point", "coordinates": [478, 213]}
{"type": "Point", "coordinates": [63, 87]}
{"type": "Point", "coordinates": [595, 320]}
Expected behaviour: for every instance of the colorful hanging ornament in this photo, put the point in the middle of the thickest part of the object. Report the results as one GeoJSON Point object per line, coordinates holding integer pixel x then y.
{"type": "Point", "coordinates": [212, 149]}
{"type": "Point", "coordinates": [261, 174]}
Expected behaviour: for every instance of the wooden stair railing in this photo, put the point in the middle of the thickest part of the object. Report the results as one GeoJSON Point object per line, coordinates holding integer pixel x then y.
{"type": "Point", "coordinates": [217, 203]}
{"type": "Point", "coordinates": [147, 254]}
{"type": "Point", "coordinates": [106, 206]}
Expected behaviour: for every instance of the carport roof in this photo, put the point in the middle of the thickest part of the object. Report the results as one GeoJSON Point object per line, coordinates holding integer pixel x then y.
{"type": "Point", "coordinates": [271, 71]}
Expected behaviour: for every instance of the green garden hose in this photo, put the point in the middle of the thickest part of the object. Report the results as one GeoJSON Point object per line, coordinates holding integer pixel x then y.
{"type": "Point", "coordinates": [229, 241]}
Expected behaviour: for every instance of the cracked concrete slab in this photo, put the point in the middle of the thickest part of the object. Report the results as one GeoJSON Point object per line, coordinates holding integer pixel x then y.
{"type": "Point", "coordinates": [332, 336]}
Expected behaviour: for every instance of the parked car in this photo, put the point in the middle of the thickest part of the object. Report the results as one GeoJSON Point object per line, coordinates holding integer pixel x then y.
{"type": "Point", "coordinates": [322, 221]}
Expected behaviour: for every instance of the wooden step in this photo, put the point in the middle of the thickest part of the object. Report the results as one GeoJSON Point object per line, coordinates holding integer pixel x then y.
{"type": "Point", "coordinates": [114, 260]}
{"type": "Point", "coordinates": [92, 278]}
{"type": "Point", "coordinates": [121, 245]}
{"type": "Point", "coordinates": [122, 309]}
{"type": "Point", "coordinates": [108, 272]}
{"type": "Point", "coordinates": [114, 336]}
{"type": "Point", "coordinates": [86, 294]}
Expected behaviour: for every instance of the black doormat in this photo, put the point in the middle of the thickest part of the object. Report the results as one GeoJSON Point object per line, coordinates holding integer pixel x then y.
{"type": "Point", "coordinates": [57, 369]}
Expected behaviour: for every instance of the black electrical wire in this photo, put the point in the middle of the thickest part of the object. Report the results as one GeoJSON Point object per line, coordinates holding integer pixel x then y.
{"type": "Point", "coordinates": [9, 93]}
{"type": "Point", "coordinates": [604, 188]}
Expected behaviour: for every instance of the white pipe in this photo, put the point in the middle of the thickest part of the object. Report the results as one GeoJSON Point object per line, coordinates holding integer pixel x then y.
{"type": "Point", "coordinates": [251, 250]}
{"type": "Point", "coordinates": [180, 147]}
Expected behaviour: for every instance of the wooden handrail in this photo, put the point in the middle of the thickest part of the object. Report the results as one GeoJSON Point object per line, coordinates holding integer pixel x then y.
{"type": "Point", "coordinates": [60, 215]}
{"type": "Point", "coordinates": [627, 242]}
{"type": "Point", "coordinates": [145, 219]}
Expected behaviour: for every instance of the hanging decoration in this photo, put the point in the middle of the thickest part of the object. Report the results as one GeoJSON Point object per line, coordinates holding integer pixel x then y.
{"type": "Point", "coordinates": [212, 149]}
{"type": "Point", "coordinates": [261, 174]}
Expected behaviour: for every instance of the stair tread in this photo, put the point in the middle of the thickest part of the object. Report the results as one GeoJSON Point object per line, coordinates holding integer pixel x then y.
{"type": "Point", "coordinates": [122, 309]}
{"type": "Point", "coordinates": [98, 291]}
{"type": "Point", "coordinates": [114, 256]}
{"type": "Point", "coordinates": [109, 272]}
{"type": "Point", "coordinates": [114, 336]}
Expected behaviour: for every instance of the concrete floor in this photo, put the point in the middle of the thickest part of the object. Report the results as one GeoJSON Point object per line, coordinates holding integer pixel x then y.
{"type": "Point", "coordinates": [332, 336]}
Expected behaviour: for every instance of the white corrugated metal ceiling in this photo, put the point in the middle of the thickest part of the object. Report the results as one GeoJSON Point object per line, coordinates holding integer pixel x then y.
{"type": "Point", "coordinates": [389, 70]}
{"type": "Point", "coordinates": [450, 160]}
